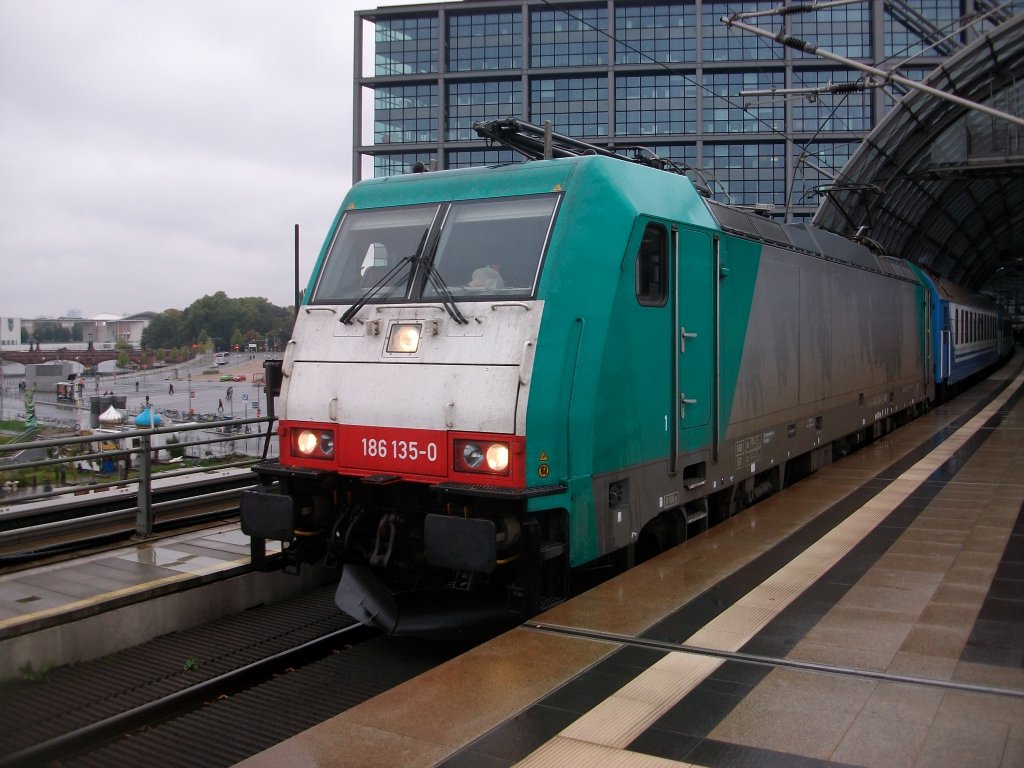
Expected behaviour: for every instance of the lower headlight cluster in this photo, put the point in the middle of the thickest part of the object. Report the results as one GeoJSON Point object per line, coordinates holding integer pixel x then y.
{"type": "Point", "coordinates": [485, 457]}
{"type": "Point", "coordinates": [312, 443]}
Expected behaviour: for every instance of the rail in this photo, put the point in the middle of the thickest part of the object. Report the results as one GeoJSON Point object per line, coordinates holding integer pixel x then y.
{"type": "Point", "coordinates": [127, 457]}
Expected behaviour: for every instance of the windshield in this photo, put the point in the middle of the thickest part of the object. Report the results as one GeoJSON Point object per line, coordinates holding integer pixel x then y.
{"type": "Point", "coordinates": [489, 248]}
{"type": "Point", "coordinates": [493, 247]}
{"type": "Point", "coordinates": [369, 245]}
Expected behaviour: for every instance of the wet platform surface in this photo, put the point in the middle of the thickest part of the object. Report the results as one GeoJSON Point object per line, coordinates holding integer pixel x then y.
{"type": "Point", "coordinates": [871, 615]}
{"type": "Point", "coordinates": [91, 605]}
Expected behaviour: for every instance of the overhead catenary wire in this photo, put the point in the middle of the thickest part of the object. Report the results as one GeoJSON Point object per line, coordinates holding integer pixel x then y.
{"type": "Point", "coordinates": [807, 47]}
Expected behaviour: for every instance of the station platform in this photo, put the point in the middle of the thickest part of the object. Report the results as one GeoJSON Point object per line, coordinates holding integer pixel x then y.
{"type": "Point", "coordinates": [91, 605]}
{"type": "Point", "coordinates": [870, 615]}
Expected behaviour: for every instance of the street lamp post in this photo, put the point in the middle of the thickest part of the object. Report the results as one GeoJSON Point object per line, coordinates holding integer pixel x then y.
{"type": "Point", "coordinates": [191, 410]}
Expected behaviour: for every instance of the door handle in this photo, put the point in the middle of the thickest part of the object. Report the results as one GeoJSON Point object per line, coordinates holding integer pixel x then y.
{"type": "Point", "coordinates": [683, 336]}
{"type": "Point", "coordinates": [683, 402]}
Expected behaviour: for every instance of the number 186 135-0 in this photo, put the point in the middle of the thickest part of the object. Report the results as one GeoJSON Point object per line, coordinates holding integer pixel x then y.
{"type": "Point", "coordinates": [398, 450]}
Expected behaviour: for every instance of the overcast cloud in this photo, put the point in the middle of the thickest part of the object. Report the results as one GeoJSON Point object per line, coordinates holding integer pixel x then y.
{"type": "Point", "coordinates": [154, 152]}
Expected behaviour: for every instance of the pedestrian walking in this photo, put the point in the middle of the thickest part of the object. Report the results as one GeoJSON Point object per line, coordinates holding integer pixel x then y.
{"type": "Point", "coordinates": [170, 389]}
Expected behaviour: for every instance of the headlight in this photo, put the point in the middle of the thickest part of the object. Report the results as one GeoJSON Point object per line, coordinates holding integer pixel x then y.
{"type": "Point", "coordinates": [479, 456]}
{"type": "Point", "coordinates": [472, 456]}
{"type": "Point", "coordinates": [497, 457]}
{"type": "Point", "coordinates": [313, 444]}
{"type": "Point", "coordinates": [404, 337]}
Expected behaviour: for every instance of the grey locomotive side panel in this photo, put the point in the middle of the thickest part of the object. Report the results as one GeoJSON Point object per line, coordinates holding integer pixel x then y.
{"type": "Point", "coordinates": [769, 377]}
{"type": "Point", "coordinates": [820, 335]}
{"type": "Point", "coordinates": [875, 332]}
{"type": "Point", "coordinates": [815, 336]}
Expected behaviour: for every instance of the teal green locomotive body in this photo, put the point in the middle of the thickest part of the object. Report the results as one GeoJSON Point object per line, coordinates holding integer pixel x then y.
{"type": "Point", "coordinates": [501, 375]}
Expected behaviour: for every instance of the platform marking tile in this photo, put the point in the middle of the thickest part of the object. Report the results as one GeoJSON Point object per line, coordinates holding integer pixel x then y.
{"type": "Point", "coordinates": [563, 751]}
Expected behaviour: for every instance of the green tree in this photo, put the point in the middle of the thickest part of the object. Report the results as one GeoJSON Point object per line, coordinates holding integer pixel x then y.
{"type": "Point", "coordinates": [174, 447]}
{"type": "Point", "coordinates": [122, 359]}
{"type": "Point", "coordinates": [51, 332]}
{"type": "Point", "coordinates": [164, 330]}
{"type": "Point", "coordinates": [237, 339]}
{"type": "Point", "coordinates": [221, 318]}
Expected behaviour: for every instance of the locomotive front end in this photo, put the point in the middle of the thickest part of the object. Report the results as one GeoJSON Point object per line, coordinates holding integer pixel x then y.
{"type": "Point", "coordinates": [403, 409]}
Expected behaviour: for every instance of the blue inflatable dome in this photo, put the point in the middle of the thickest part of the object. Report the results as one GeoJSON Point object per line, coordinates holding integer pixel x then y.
{"type": "Point", "coordinates": [143, 419]}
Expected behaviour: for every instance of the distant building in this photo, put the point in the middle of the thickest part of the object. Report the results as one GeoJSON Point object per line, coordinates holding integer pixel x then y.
{"type": "Point", "coordinates": [109, 329]}
{"type": "Point", "coordinates": [10, 332]}
{"type": "Point", "coordinates": [45, 377]}
{"type": "Point", "coordinates": [103, 331]}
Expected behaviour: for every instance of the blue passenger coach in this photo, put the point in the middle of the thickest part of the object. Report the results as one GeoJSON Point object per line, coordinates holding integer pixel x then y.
{"type": "Point", "coordinates": [967, 331]}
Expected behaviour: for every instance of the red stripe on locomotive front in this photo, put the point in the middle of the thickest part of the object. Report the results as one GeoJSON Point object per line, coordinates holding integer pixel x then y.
{"type": "Point", "coordinates": [419, 455]}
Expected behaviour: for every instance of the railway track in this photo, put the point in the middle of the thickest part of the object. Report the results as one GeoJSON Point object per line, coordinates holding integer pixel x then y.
{"type": "Point", "coordinates": [211, 695]}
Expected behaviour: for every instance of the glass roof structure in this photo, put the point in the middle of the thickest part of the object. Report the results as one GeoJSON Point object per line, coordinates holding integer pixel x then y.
{"type": "Point", "coordinates": [940, 183]}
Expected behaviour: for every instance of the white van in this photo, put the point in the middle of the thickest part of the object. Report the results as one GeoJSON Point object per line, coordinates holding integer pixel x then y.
{"type": "Point", "coordinates": [221, 358]}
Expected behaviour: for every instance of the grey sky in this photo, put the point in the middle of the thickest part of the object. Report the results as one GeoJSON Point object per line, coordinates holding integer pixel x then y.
{"type": "Point", "coordinates": [153, 152]}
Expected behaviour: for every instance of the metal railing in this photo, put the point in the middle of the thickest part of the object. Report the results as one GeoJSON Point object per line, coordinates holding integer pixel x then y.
{"type": "Point", "coordinates": [116, 449]}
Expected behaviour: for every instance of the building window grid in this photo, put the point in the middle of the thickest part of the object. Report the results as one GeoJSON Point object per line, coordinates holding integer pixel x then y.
{"type": "Point", "coordinates": [576, 106]}
{"type": "Point", "coordinates": [655, 33]}
{"type": "Point", "coordinates": [749, 173]}
{"type": "Point", "coordinates": [472, 101]}
{"type": "Point", "coordinates": [405, 45]}
{"type": "Point", "coordinates": [725, 111]}
{"type": "Point", "coordinates": [845, 30]}
{"type": "Point", "coordinates": [720, 43]}
{"type": "Point", "coordinates": [830, 112]}
{"type": "Point", "coordinates": [892, 93]}
{"type": "Point", "coordinates": [902, 40]}
{"type": "Point", "coordinates": [398, 163]}
{"type": "Point", "coordinates": [829, 157]}
{"type": "Point", "coordinates": [405, 114]}
{"type": "Point", "coordinates": [484, 41]}
{"type": "Point", "coordinates": [683, 155]}
{"type": "Point", "coordinates": [573, 38]}
{"type": "Point", "coordinates": [474, 158]}
{"type": "Point", "coordinates": [648, 105]}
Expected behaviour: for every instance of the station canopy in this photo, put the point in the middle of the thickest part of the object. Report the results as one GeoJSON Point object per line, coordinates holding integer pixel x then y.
{"type": "Point", "coordinates": [939, 183]}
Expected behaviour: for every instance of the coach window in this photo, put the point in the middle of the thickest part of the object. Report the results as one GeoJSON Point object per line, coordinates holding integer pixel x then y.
{"type": "Point", "coordinates": [652, 267]}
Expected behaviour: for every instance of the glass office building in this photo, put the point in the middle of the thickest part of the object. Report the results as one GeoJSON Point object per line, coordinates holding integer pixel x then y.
{"type": "Point", "coordinates": [663, 74]}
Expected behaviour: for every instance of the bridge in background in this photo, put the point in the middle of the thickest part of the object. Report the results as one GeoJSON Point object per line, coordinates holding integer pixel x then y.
{"type": "Point", "coordinates": [144, 358]}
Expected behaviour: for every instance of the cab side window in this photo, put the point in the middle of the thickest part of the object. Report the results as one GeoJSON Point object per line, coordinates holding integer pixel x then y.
{"type": "Point", "coordinates": [652, 267]}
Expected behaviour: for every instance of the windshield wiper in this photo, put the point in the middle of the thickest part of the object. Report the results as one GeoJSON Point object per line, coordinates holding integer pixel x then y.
{"type": "Point", "coordinates": [447, 300]}
{"type": "Point", "coordinates": [374, 290]}
{"type": "Point", "coordinates": [433, 275]}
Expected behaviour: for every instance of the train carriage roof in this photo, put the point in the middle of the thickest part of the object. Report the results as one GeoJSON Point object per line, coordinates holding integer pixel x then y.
{"type": "Point", "coordinates": [957, 294]}
{"type": "Point", "coordinates": [939, 184]}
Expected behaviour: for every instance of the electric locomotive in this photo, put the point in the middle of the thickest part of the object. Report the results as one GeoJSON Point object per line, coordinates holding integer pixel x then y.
{"type": "Point", "coordinates": [500, 375]}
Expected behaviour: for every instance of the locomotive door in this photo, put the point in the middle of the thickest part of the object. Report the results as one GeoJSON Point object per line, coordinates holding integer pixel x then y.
{"type": "Point", "coordinates": [694, 309]}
